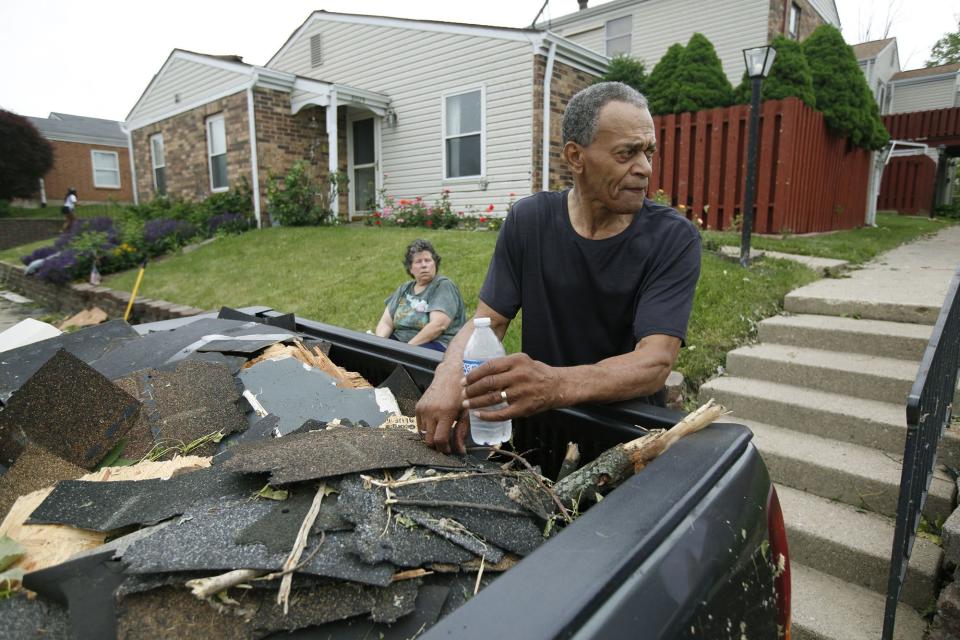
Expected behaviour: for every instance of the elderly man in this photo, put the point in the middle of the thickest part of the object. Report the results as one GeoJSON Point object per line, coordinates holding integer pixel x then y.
{"type": "Point", "coordinates": [605, 278]}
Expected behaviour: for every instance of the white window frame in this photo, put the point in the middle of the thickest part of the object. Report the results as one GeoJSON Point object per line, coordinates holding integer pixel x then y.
{"type": "Point", "coordinates": [607, 38]}
{"type": "Point", "coordinates": [483, 133]}
{"type": "Point", "coordinates": [93, 165]}
{"type": "Point", "coordinates": [793, 21]}
{"type": "Point", "coordinates": [209, 121]}
{"type": "Point", "coordinates": [163, 165]}
{"type": "Point", "coordinates": [378, 180]}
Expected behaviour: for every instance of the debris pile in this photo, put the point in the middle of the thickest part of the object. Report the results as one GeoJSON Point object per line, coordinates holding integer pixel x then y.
{"type": "Point", "coordinates": [223, 477]}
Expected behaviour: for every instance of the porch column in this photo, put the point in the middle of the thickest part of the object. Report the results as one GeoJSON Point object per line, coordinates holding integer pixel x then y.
{"type": "Point", "coordinates": [333, 153]}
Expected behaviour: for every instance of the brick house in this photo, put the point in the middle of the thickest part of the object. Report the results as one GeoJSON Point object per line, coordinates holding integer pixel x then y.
{"type": "Point", "coordinates": [412, 107]}
{"type": "Point", "coordinates": [645, 29]}
{"type": "Point", "coordinates": [89, 154]}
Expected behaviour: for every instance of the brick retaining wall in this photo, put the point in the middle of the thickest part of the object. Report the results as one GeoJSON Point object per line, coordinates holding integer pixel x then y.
{"type": "Point", "coordinates": [17, 231]}
{"type": "Point", "coordinates": [76, 297]}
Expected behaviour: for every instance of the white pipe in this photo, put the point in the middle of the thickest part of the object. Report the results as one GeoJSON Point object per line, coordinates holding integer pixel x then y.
{"type": "Point", "coordinates": [133, 165]}
{"type": "Point", "coordinates": [254, 158]}
{"type": "Point", "coordinates": [333, 152]}
{"type": "Point", "coordinates": [545, 152]}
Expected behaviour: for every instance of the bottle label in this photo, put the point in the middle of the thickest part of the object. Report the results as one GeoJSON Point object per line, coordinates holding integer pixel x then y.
{"type": "Point", "coordinates": [470, 365]}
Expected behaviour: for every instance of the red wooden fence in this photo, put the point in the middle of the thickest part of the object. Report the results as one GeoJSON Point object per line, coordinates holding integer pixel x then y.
{"type": "Point", "coordinates": [908, 185]}
{"type": "Point", "coordinates": [935, 126]}
{"type": "Point", "coordinates": [807, 179]}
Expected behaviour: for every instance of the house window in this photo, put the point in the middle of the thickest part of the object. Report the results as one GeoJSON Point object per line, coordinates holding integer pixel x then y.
{"type": "Point", "coordinates": [106, 169]}
{"type": "Point", "coordinates": [617, 35]}
{"type": "Point", "coordinates": [794, 24]}
{"type": "Point", "coordinates": [217, 152]}
{"type": "Point", "coordinates": [159, 164]}
{"type": "Point", "coordinates": [463, 134]}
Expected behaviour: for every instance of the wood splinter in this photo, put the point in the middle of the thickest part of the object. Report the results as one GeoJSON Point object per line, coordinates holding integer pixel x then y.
{"type": "Point", "coordinates": [612, 467]}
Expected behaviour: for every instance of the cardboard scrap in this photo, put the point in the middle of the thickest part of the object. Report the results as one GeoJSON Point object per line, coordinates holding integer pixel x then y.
{"type": "Point", "coordinates": [48, 545]}
{"type": "Point", "coordinates": [86, 318]}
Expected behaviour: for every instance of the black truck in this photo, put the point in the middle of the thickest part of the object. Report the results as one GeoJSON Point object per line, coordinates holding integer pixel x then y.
{"type": "Point", "coordinates": [692, 547]}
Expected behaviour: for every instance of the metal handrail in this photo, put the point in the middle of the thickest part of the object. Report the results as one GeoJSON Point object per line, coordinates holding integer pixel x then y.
{"type": "Point", "coordinates": [929, 410]}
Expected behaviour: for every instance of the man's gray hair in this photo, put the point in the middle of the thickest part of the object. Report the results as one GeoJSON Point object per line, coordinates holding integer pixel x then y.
{"type": "Point", "coordinates": [582, 114]}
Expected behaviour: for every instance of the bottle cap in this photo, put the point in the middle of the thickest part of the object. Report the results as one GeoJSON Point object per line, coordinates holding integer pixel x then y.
{"type": "Point", "coordinates": [481, 322]}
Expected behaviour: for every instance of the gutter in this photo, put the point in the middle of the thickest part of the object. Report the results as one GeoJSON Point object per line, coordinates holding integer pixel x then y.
{"type": "Point", "coordinates": [254, 158]}
{"type": "Point", "coordinates": [133, 165]}
{"type": "Point", "coordinates": [545, 157]}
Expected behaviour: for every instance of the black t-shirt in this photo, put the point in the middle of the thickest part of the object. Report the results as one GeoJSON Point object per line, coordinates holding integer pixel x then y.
{"type": "Point", "coordinates": [586, 300]}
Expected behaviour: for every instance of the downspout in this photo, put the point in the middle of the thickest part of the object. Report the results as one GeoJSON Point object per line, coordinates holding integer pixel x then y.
{"type": "Point", "coordinates": [545, 152]}
{"type": "Point", "coordinates": [133, 165]}
{"type": "Point", "coordinates": [333, 154]}
{"type": "Point", "coordinates": [254, 158]}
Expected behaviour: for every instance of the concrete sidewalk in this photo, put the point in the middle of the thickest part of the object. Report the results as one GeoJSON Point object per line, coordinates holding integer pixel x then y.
{"type": "Point", "coordinates": [824, 393]}
{"type": "Point", "coordinates": [907, 284]}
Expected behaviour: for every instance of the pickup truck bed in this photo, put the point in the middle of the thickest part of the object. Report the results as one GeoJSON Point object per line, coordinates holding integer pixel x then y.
{"type": "Point", "coordinates": [692, 547]}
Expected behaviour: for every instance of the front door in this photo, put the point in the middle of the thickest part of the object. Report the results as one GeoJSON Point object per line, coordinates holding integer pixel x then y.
{"type": "Point", "coordinates": [362, 139]}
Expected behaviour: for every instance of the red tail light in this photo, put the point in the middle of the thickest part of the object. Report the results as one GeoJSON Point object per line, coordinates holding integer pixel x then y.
{"type": "Point", "coordinates": [780, 557]}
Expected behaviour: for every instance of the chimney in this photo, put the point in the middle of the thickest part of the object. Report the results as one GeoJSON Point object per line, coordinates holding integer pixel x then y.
{"type": "Point", "coordinates": [583, 4]}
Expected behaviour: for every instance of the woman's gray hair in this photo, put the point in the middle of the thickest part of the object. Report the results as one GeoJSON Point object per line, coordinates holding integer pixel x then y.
{"type": "Point", "coordinates": [582, 114]}
{"type": "Point", "coordinates": [416, 247]}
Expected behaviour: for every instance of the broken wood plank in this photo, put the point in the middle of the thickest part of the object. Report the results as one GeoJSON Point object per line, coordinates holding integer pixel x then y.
{"type": "Point", "coordinates": [612, 467]}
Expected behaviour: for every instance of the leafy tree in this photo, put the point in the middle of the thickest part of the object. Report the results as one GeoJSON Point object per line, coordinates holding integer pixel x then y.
{"type": "Point", "coordinates": [628, 70]}
{"type": "Point", "coordinates": [946, 50]}
{"type": "Point", "coordinates": [841, 90]}
{"type": "Point", "coordinates": [661, 83]}
{"type": "Point", "coordinates": [790, 74]}
{"type": "Point", "coordinates": [25, 156]}
{"type": "Point", "coordinates": [701, 82]}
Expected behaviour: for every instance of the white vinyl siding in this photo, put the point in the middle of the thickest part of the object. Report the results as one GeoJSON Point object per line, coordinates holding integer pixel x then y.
{"type": "Point", "coordinates": [618, 36]}
{"type": "Point", "coordinates": [590, 38]}
{"type": "Point", "coordinates": [921, 96]}
{"type": "Point", "coordinates": [730, 26]}
{"type": "Point", "coordinates": [106, 169]}
{"type": "Point", "coordinates": [217, 153]}
{"type": "Point", "coordinates": [159, 164]}
{"type": "Point", "coordinates": [416, 68]}
{"type": "Point", "coordinates": [463, 134]}
{"type": "Point", "coordinates": [184, 83]}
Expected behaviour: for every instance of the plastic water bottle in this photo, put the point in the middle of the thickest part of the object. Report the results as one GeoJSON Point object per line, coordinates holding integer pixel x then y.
{"type": "Point", "coordinates": [482, 346]}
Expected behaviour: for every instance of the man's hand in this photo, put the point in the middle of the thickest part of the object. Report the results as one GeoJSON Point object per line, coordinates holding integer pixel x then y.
{"type": "Point", "coordinates": [531, 387]}
{"type": "Point", "coordinates": [440, 417]}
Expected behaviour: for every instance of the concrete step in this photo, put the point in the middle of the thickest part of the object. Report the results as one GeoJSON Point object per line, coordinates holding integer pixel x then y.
{"type": "Point", "coordinates": [827, 608]}
{"type": "Point", "coordinates": [852, 374]}
{"type": "Point", "coordinates": [874, 337]}
{"type": "Point", "coordinates": [854, 545]}
{"type": "Point", "coordinates": [833, 298]}
{"type": "Point", "coordinates": [858, 476]}
{"type": "Point", "coordinates": [881, 425]}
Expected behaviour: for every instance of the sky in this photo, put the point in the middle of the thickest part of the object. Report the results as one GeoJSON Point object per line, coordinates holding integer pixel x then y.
{"type": "Point", "coordinates": [95, 57]}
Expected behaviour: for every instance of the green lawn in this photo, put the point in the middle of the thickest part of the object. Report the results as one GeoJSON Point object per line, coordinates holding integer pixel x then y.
{"type": "Point", "coordinates": [342, 275]}
{"type": "Point", "coordinates": [53, 211]}
{"type": "Point", "coordinates": [15, 253]}
{"type": "Point", "coordinates": [854, 245]}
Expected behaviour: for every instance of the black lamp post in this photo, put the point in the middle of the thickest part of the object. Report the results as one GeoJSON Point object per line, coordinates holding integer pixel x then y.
{"type": "Point", "coordinates": [758, 61]}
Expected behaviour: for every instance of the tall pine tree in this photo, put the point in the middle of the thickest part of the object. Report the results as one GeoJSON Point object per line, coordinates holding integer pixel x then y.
{"type": "Point", "coordinates": [701, 82]}
{"type": "Point", "coordinates": [661, 83]}
{"type": "Point", "coordinates": [627, 70]}
{"type": "Point", "coordinates": [841, 90]}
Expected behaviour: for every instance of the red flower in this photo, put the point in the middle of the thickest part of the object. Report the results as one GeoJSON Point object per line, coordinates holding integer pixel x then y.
{"type": "Point", "coordinates": [404, 203]}
{"type": "Point", "coordinates": [460, 213]}
{"type": "Point", "coordinates": [378, 222]}
{"type": "Point", "coordinates": [429, 223]}
{"type": "Point", "coordinates": [482, 219]}
{"type": "Point", "coordinates": [377, 215]}
{"type": "Point", "coordinates": [490, 208]}
{"type": "Point", "coordinates": [419, 198]}
{"type": "Point", "coordinates": [512, 194]}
